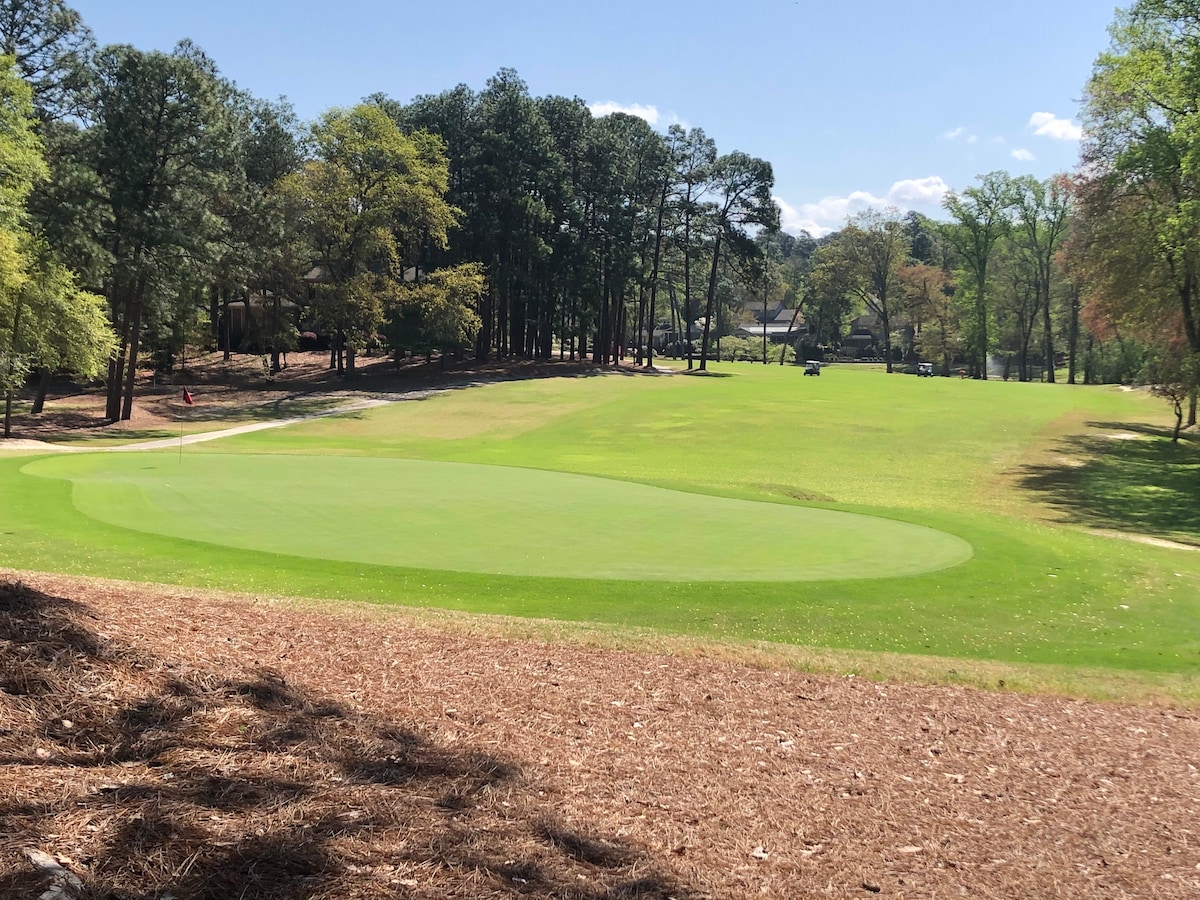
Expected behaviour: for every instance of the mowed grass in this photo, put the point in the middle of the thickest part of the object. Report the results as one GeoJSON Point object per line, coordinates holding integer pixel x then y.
{"type": "Point", "coordinates": [458, 516]}
{"type": "Point", "coordinates": [1023, 474]}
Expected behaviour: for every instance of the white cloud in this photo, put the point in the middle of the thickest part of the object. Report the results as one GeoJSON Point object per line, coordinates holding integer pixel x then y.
{"type": "Point", "coordinates": [954, 133]}
{"type": "Point", "coordinates": [1022, 154]}
{"type": "Point", "coordinates": [793, 221]}
{"type": "Point", "coordinates": [830, 213]}
{"type": "Point", "coordinates": [649, 113]}
{"type": "Point", "coordinates": [917, 191]}
{"type": "Point", "coordinates": [1049, 125]}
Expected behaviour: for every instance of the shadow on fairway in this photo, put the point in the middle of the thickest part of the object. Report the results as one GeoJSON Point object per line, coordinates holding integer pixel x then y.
{"type": "Point", "coordinates": [130, 435]}
{"type": "Point", "coordinates": [291, 406]}
{"type": "Point", "coordinates": [169, 779]}
{"type": "Point", "coordinates": [1124, 476]}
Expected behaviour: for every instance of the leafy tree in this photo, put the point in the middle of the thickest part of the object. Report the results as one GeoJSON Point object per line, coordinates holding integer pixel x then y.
{"type": "Point", "coordinates": [370, 198]}
{"type": "Point", "coordinates": [45, 321]}
{"type": "Point", "coordinates": [871, 249]}
{"type": "Point", "coordinates": [628, 164]}
{"type": "Point", "coordinates": [52, 50]}
{"type": "Point", "coordinates": [980, 219]}
{"type": "Point", "coordinates": [56, 328]}
{"type": "Point", "coordinates": [928, 294]}
{"type": "Point", "coordinates": [21, 165]}
{"type": "Point", "coordinates": [162, 146]}
{"type": "Point", "coordinates": [1175, 377]}
{"type": "Point", "coordinates": [438, 312]}
{"type": "Point", "coordinates": [742, 184]}
{"type": "Point", "coordinates": [262, 249]}
{"type": "Point", "coordinates": [827, 302]}
{"type": "Point", "coordinates": [1141, 176]}
{"type": "Point", "coordinates": [1041, 209]}
{"type": "Point", "coordinates": [1017, 302]}
{"type": "Point", "coordinates": [695, 159]}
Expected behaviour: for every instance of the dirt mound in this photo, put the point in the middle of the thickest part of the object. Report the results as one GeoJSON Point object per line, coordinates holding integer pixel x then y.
{"type": "Point", "coordinates": [166, 741]}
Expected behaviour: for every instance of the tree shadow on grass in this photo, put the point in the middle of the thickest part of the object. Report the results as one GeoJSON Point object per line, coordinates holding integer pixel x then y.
{"type": "Point", "coordinates": [146, 777]}
{"type": "Point", "coordinates": [1123, 476]}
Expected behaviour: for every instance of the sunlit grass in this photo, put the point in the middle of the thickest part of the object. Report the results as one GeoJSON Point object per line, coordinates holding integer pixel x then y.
{"type": "Point", "coordinates": [1022, 473]}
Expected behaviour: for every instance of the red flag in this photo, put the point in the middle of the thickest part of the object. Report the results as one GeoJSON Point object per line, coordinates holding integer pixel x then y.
{"type": "Point", "coordinates": [187, 397]}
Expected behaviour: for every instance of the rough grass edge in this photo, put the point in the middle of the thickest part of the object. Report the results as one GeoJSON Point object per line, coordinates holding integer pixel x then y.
{"type": "Point", "coordinates": [1161, 689]}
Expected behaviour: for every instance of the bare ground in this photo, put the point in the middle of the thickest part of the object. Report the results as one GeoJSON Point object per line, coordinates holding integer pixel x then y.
{"type": "Point", "coordinates": [163, 742]}
{"type": "Point", "coordinates": [224, 390]}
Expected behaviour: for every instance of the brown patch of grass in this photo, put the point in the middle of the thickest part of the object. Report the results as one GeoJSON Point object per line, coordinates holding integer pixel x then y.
{"type": "Point", "coordinates": [162, 740]}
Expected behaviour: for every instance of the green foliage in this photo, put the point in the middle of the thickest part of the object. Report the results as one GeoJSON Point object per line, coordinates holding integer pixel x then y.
{"type": "Point", "coordinates": [981, 217]}
{"type": "Point", "coordinates": [1115, 361]}
{"type": "Point", "coordinates": [438, 312]}
{"type": "Point", "coordinates": [1141, 188]}
{"type": "Point", "coordinates": [369, 201]}
{"type": "Point", "coordinates": [21, 162]}
{"type": "Point", "coordinates": [52, 50]}
{"type": "Point", "coordinates": [1175, 377]}
{"type": "Point", "coordinates": [163, 145]}
{"type": "Point", "coordinates": [746, 349]}
{"type": "Point", "coordinates": [870, 253]}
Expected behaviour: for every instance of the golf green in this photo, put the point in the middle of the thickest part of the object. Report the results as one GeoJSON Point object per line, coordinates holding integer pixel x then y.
{"type": "Point", "coordinates": [487, 519]}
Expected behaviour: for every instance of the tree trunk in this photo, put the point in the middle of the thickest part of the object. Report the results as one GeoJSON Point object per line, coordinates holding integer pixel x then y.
{"type": "Point", "coordinates": [214, 314]}
{"type": "Point", "coordinates": [121, 309]}
{"type": "Point", "coordinates": [8, 405]}
{"type": "Point", "coordinates": [687, 288]}
{"type": "Point", "coordinates": [887, 342]}
{"type": "Point", "coordinates": [228, 325]}
{"type": "Point", "coordinates": [135, 340]}
{"type": "Point", "coordinates": [43, 388]}
{"type": "Point", "coordinates": [1048, 338]}
{"type": "Point", "coordinates": [112, 401]}
{"type": "Point", "coordinates": [1073, 336]}
{"type": "Point", "coordinates": [981, 315]}
{"type": "Point", "coordinates": [710, 303]}
{"type": "Point", "coordinates": [791, 328]}
{"type": "Point", "coordinates": [12, 368]}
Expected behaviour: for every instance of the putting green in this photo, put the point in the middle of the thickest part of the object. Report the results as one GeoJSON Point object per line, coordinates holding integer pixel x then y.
{"type": "Point", "coordinates": [487, 519]}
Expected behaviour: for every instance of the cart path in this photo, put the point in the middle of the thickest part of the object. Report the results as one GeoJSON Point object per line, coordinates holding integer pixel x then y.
{"type": "Point", "coordinates": [201, 436]}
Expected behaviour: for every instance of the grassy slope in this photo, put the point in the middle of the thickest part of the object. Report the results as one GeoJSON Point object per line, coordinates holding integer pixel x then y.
{"type": "Point", "coordinates": [957, 455]}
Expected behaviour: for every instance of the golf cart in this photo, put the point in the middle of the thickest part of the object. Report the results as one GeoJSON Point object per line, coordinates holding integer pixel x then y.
{"type": "Point", "coordinates": [924, 370]}
{"type": "Point", "coordinates": [812, 367]}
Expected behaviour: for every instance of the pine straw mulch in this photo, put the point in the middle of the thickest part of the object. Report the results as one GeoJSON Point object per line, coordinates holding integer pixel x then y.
{"type": "Point", "coordinates": [241, 386]}
{"type": "Point", "coordinates": [161, 742]}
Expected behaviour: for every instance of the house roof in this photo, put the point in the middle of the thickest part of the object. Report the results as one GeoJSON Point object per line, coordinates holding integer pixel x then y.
{"type": "Point", "coordinates": [753, 329]}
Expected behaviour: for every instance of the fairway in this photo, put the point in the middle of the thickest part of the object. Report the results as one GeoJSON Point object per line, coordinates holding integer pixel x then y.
{"type": "Point", "coordinates": [858, 512]}
{"type": "Point", "coordinates": [488, 519]}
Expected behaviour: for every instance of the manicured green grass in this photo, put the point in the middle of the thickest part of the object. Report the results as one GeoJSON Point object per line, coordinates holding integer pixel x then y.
{"type": "Point", "coordinates": [460, 517]}
{"type": "Point", "coordinates": [1020, 473]}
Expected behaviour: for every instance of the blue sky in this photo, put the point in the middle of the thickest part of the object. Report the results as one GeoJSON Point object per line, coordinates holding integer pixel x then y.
{"type": "Point", "coordinates": [855, 103]}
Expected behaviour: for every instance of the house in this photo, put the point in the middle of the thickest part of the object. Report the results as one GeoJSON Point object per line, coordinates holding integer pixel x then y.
{"type": "Point", "coordinates": [865, 337]}
{"type": "Point", "coordinates": [781, 326]}
{"type": "Point", "coordinates": [254, 315]}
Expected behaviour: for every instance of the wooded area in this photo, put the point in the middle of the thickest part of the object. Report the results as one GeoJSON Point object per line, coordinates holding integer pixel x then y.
{"type": "Point", "coordinates": [148, 205]}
